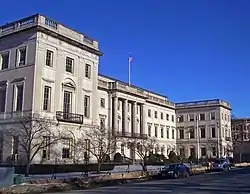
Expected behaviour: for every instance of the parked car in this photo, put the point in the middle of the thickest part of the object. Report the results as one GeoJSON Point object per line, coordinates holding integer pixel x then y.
{"type": "Point", "coordinates": [174, 171]}
{"type": "Point", "coordinates": [221, 165]}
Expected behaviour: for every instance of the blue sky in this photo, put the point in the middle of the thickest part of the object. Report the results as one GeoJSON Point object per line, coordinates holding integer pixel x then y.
{"type": "Point", "coordinates": [184, 49]}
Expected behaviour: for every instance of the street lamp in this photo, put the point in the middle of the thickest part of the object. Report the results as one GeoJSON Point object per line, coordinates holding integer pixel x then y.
{"type": "Point", "coordinates": [218, 138]}
{"type": "Point", "coordinates": [198, 137]}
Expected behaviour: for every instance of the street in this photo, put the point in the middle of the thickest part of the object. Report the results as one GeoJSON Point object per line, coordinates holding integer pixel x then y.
{"type": "Point", "coordinates": [235, 181]}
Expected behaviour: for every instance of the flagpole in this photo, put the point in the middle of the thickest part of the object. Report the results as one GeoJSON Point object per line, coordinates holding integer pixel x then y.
{"type": "Point", "coordinates": [129, 70]}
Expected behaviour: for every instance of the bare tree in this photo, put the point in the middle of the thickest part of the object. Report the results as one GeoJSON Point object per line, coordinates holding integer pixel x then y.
{"type": "Point", "coordinates": [142, 148]}
{"type": "Point", "coordinates": [98, 142]}
{"type": "Point", "coordinates": [31, 133]}
{"type": "Point", "coordinates": [238, 136]}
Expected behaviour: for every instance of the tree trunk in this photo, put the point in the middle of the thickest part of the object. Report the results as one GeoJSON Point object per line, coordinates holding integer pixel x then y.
{"type": "Point", "coordinates": [99, 165]}
{"type": "Point", "coordinates": [27, 169]}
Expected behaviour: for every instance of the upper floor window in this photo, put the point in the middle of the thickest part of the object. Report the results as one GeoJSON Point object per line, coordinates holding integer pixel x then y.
{"type": "Point", "coordinates": [180, 118]}
{"type": "Point", "coordinates": [149, 113]}
{"type": "Point", "coordinates": [161, 115]}
{"type": "Point", "coordinates": [212, 115]}
{"type": "Point", "coordinates": [167, 117]}
{"type": "Point", "coordinates": [213, 132]}
{"type": "Point", "coordinates": [149, 130]}
{"type": "Point", "coordinates": [222, 116]}
{"type": "Point", "coordinates": [156, 131]}
{"type": "Point", "coordinates": [2, 99]}
{"type": "Point", "coordinates": [102, 102]}
{"type": "Point", "coordinates": [87, 106]}
{"type": "Point", "coordinates": [173, 134]}
{"type": "Point", "coordinates": [19, 97]}
{"type": "Point", "coordinates": [162, 132]}
{"type": "Point", "coordinates": [181, 133]}
{"type": "Point", "coordinates": [172, 118]}
{"type": "Point", "coordinates": [69, 65]}
{"type": "Point", "coordinates": [203, 132]}
{"type": "Point", "coordinates": [202, 117]}
{"type": "Point", "coordinates": [49, 58]}
{"type": "Point", "coordinates": [46, 98]}
{"type": "Point", "coordinates": [156, 115]}
{"type": "Point", "coordinates": [191, 133]}
{"type": "Point", "coordinates": [191, 117]}
{"type": "Point", "coordinates": [167, 133]}
{"type": "Point", "coordinates": [67, 98]}
{"type": "Point", "coordinates": [4, 60]}
{"type": "Point", "coordinates": [21, 56]}
{"type": "Point", "coordinates": [87, 71]}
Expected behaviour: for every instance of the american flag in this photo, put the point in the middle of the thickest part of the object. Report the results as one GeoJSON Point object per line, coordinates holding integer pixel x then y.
{"type": "Point", "coordinates": [130, 58]}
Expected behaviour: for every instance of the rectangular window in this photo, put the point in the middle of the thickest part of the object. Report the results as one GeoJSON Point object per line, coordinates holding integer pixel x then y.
{"type": "Point", "coordinates": [203, 151]}
{"type": "Point", "coordinates": [192, 152]}
{"type": "Point", "coordinates": [2, 99]}
{"type": "Point", "coordinates": [69, 65]}
{"type": "Point", "coordinates": [212, 115]}
{"type": "Point", "coordinates": [87, 106]}
{"type": "Point", "coordinates": [22, 56]}
{"type": "Point", "coordinates": [172, 118]}
{"type": "Point", "coordinates": [182, 152]}
{"type": "Point", "coordinates": [46, 98]}
{"type": "Point", "coordinates": [19, 97]}
{"type": "Point", "coordinates": [167, 117]}
{"type": "Point", "coordinates": [149, 113]}
{"type": "Point", "coordinates": [67, 146]}
{"type": "Point", "coordinates": [67, 100]}
{"type": "Point", "coordinates": [149, 130]}
{"type": "Point", "coordinates": [202, 117]}
{"type": "Point", "coordinates": [173, 137]}
{"type": "Point", "coordinates": [156, 114]}
{"type": "Point", "coordinates": [213, 132]}
{"type": "Point", "coordinates": [49, 58]}
{"type": "Point", "coordinates": [156, 131]}
{"type": "Point", "coordinates": [102, 123]}
{"type": "Point", "coordinates": [167, 133]}
{"type": "Point", "coordinates": [15, 145]}
{"type": "Point", "coordinates": [214, 151]}
{"type": "Point", "coordinates": [162, 133]}
{"type": "Point", "coordinates": [203, 132]}
{"type": "Point", "coordinates": [4, 59]}
{"type": "Point", "coordinates": [180, 118]}
{"type": "Point", "coordinates": [87, 71]}
{"type": "Point", "coordinates": [161, 115]}
{"type": "Point", "coordinates": [181, 133]}
{"type": "Point", "coordinates": [102, 102]}
{"type": "Point", "coordinates": [191, 133]}
{"type": "Point", "coordinates": [46, 148]}
{"type": "Point", "coordinates": [191, 117]}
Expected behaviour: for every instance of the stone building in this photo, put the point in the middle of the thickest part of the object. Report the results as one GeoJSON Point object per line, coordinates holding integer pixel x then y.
{"type": "Point", "coordinates": [50, 69]}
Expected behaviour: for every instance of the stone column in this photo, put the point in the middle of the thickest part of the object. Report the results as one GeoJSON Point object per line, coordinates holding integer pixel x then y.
{"type": "Point", "coordinates": [142, 119]}
{"type": "Point", "coordinates": [125, 116]}
{"type": "Point", "coordinates": [114, 114]}
{"type": "Point", "coordinates": [134, 122]}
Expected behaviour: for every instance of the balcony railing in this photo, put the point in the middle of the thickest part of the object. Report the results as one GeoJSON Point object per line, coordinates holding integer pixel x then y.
{"type": "Point", "coordinates": [69, 117]}
{"type": "Point", "coordinates": [131, 135]}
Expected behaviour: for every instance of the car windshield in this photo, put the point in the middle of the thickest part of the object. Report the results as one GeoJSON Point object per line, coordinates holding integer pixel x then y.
{"type": "Point", "coordinates": [171, 166]}
{"type": "Point", "coordinates": [218, 161]}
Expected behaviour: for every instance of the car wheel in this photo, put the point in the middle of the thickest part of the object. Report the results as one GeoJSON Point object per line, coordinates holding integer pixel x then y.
{"type": "Point", "coordinates": [175, 175]}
